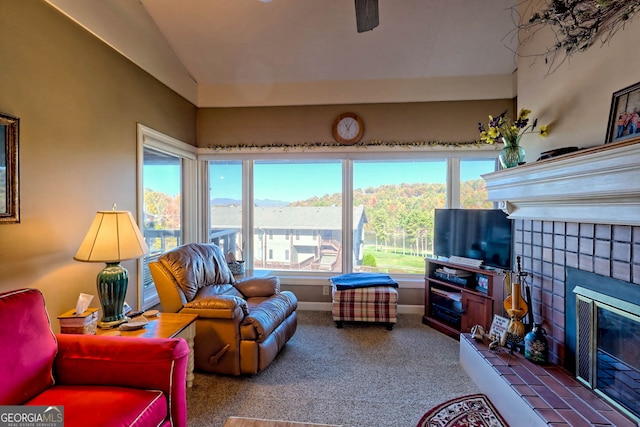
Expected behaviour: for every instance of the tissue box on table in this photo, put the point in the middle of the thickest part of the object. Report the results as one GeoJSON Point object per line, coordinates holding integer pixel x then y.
{"type": "Point", "coordinates": [84, 323]}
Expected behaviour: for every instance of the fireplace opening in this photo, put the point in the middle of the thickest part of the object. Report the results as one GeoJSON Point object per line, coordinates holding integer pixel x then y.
{"type": "Point", "coordinates": [606, 337]}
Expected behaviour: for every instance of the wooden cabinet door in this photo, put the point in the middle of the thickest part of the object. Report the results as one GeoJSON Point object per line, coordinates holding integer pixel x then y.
{"type": "Point", "coordinates": [478, 310]}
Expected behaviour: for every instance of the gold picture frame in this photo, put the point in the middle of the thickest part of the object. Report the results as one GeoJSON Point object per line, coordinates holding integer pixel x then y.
{"type": "Point", "coordinates": [9, 185]}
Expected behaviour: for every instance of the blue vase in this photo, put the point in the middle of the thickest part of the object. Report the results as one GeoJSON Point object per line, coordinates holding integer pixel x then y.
{"type": "Point", "coordinates": [536, 346]}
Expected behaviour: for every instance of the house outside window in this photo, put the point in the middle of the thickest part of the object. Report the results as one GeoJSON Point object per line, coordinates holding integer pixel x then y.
{"type": "Point", "coordinates": [290, 200]}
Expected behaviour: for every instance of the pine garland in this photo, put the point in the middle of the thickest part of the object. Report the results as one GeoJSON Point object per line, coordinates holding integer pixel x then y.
{"type": "Point", "coordinates": [336, 145]}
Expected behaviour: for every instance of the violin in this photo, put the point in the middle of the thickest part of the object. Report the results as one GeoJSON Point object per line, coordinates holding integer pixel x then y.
{"type": "Point", "coordinates": [515, 305]}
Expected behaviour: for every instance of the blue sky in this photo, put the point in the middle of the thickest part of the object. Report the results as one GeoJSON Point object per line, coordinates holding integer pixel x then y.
{"type": "Point", "coordinates": [301, 181]}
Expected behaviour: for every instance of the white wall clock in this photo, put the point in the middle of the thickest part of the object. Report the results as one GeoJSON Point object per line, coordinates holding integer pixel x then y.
{"type": "Point", "coordinates": [348, 128]}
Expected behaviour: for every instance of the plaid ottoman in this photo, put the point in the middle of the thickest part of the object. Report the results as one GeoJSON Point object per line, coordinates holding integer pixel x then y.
{"type": "Point", "coordinates": [377, 304]}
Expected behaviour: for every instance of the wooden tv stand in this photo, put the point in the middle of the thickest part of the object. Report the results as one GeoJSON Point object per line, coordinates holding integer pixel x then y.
{"type": "Point", "coordinates": [457, 302]}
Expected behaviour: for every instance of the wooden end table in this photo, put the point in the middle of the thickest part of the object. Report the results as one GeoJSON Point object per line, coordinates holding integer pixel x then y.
{"type": "Point", "coordinates": [165, 325]}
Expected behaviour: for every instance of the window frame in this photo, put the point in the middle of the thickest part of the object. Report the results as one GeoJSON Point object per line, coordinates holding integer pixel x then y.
{"type": "Point", "coordinates": [347, 156]}
{"type": "Point", "coordinates": [190, 201]}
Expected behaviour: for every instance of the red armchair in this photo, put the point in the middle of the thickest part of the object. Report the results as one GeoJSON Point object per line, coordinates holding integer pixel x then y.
{"type": "Point", "coordinates": [98, 381]}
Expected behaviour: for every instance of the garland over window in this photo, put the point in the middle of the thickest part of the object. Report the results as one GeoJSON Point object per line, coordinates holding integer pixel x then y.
{"type": "Point", "coordinates": [576, 24]}
{"type": "Point", "coordinates": [336, 145]}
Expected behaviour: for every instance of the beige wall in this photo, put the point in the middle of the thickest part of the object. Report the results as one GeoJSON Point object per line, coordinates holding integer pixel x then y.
{"type": "Point", "coordinates": [78, 102]}
{"type": "Point", "coordinates": [428, 121]}
{"type": "Point", "coordinates": [576, 98]}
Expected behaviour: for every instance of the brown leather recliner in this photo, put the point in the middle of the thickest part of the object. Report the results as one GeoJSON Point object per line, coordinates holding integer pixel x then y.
{"type": "Point", "coordinates": [241, 326]}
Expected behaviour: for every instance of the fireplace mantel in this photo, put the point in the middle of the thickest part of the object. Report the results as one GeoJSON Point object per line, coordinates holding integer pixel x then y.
{"type": "Point", "coordinates": [596, 185]}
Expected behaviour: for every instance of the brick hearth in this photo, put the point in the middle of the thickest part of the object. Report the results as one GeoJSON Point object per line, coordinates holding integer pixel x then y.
{"type": "Point", "coordinates": [532, 395]}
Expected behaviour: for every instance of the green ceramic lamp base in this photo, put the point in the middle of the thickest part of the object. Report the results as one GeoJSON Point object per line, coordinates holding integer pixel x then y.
{"type": "Point", "coordinates": [112, 285]}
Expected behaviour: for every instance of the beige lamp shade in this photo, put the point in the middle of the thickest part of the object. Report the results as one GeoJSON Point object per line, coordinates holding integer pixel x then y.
{"type": "Point", "coordinates": [113, 236]}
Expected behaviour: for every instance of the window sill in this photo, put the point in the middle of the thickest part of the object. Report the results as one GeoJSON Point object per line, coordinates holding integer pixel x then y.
{"type": "Point", "coordinates": [301, 279]}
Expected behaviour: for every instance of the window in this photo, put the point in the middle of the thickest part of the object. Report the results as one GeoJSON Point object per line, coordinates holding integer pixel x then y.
{"type": "Point", "coordinates": [294, 212]}
{"type": "Point", "coordinates": [473, 189]}
{"type": "Point", "coordinates": [225, 196]}
{"type": "Point", "coordinates": [162, 178]}
{"type": "Point", "coordinates": [166, 208]}
{"type": "Point", "coordinates": [303, 196]}
{"type": "Point", "coordinates": [393, 213]}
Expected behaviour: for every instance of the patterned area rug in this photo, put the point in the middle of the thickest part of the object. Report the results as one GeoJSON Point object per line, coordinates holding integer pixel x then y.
{"type": "Point", "coordinates": [467, 411]}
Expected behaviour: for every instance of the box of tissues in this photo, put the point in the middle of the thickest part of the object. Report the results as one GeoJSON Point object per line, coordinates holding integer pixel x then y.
{"type": "Point", "coordinates": [83, 323]}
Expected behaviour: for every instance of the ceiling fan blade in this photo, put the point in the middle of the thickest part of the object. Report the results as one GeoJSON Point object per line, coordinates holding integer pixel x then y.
{"type": "Point", "coordinates": [367, 16]}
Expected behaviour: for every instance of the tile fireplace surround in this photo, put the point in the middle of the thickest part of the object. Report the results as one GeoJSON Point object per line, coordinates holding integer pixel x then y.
{"type": "Point", "coordinates": [580, 210]}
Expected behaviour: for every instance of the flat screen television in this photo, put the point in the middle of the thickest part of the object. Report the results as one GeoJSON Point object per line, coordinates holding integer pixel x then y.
{"type": "Point", "coordinates": [484, 234]}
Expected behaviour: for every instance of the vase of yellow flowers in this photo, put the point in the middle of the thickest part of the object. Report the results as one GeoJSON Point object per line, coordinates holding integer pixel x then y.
{"type": "Point", "coordinates": [503, 129]}
{"type": "Point", "coordinates": [512, 154]}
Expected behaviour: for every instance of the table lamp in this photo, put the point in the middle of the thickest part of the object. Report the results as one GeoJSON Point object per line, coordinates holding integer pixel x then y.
{"type": "Point", "coordinates": [113, 236]}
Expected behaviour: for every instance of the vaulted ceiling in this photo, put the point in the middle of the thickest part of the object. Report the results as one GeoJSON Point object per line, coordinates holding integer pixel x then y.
{"type": "Point", "coordinates": [219, 53]}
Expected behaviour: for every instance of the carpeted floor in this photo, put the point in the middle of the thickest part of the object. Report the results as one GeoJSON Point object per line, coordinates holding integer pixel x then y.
{"type": "Point", "coordinates": [361, 376]}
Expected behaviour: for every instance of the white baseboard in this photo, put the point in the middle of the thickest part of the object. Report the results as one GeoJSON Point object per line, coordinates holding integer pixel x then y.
{"type": "Point", "coordinates": [326, 306]}
{"type": "Point", "coordinates": [314, 306]}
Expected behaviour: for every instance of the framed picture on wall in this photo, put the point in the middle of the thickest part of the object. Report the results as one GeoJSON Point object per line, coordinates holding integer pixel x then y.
{"type": "Point", "coordinates": [9, 194]}
{"type": "Point", "coordinates": [624, 115]}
